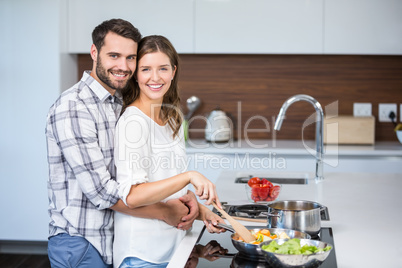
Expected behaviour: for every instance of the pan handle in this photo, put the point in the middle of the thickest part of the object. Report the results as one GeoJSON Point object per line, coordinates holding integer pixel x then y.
{"type": "Point", "coordinates": [227, 227]}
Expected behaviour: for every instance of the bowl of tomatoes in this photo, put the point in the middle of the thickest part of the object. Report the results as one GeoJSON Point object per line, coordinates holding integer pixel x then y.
{"type": "Point", "coordinates": [262, 190]}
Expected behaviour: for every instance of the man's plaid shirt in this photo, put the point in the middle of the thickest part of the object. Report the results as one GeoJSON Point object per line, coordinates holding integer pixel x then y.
{"type": "Point", "coordinates": [82, 186]}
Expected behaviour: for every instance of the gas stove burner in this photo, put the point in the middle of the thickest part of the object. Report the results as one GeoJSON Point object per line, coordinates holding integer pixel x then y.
{"type": "Point", "coordinates": [251, 210]}
{"type": "Point", "coordinates": [256, 211]}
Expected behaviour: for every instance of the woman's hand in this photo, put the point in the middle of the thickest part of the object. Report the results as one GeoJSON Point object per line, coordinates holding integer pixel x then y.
{"type": "Point", "coordinates": [204, 188]}
{"type": "Point", "coordinates": [210, 220]}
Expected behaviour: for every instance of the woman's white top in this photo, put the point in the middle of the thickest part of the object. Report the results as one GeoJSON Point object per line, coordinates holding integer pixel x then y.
{"type": "Point", "coordinates": [145, 152]}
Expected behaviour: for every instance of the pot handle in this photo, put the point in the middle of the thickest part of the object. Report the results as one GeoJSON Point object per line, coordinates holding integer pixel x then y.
{"type": "Point", "coordinates": [324, 213]}
{"type": "Point", "coordinates": [279, 214]}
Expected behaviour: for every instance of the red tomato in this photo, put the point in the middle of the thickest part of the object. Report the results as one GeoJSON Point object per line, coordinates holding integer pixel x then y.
{"type": "Point", "coordinates": [263, 191]}
{"type": "Point", "coordinates": [266, 182]}
{"type": "Point", "coordinates": [268, 199]}
{"type": "Point", "coordinates": [255, 199]}
{"type": "Point", "coordinates": [274, 192]}
{"type": "Point", "coordinates": [254, 191]}
{"type": "Point", "coordinates": [253, 181]}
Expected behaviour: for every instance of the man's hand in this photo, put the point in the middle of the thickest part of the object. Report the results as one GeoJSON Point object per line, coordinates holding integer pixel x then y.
{"type": "Point", "coordinates": [179, 213]}
{"type": "Point", "coordinates": [170, 212]}
{"type": "Point", "coordinates": [174, 213]}
{"type": "Point", "coordinates": [190, 200]}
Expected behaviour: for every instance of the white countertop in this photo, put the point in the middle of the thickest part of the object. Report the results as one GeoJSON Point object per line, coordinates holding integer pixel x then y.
{"type": "Point", "coordinates": [292, 147]}
{"type": "Point", "coordinates": [364, 209]}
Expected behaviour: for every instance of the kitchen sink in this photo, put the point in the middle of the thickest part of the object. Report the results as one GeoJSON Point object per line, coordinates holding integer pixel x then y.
{"type": "Point", "coordinates": [280, 178]}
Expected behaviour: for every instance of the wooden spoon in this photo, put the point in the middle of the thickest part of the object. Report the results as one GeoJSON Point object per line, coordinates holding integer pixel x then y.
{"type": "Point", "coordinates": [249, 219]}
{"type": "Point", "coordinates": [237, 226]}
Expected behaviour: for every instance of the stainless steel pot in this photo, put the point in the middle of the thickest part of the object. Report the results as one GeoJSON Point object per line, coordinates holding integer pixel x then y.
{"type": "Point", "coordinates": [304, 216]}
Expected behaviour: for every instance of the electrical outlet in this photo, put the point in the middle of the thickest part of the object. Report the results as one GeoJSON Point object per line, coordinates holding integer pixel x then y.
{"type": "Point", "coordinates": [361, 109]}
{"type": "Point", "coordinates": [384, 109]}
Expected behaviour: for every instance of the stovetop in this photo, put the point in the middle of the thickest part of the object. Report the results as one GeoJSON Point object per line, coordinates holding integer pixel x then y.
{"type": "Point", "coordinates": [233, 259]}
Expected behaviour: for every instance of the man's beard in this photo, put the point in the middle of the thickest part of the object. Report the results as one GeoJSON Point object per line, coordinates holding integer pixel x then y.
{"type": "Point", "coordinates": [102, 74]}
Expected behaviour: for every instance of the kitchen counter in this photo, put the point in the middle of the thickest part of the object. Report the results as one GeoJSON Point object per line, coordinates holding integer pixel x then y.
{"type": "Point", "coordinates": [292, 147]}
{"type": "Point", "coordinates": [364, 210]}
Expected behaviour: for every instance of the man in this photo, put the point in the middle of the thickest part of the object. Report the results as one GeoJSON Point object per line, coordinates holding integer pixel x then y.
{"type": "Point", "coordinates": [79, 132]}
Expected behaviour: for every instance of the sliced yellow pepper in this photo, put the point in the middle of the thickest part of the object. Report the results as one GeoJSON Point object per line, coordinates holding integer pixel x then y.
{"type": "Point", "coordinates": [260, 238]}
{"type": "Point", "coordinates": [265, 232]}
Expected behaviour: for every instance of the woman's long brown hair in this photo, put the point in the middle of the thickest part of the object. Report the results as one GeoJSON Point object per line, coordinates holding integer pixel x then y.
{"type": "Point", "coordinates": [170, 111]}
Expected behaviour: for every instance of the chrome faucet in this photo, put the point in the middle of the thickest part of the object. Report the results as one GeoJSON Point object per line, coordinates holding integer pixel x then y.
{"type": "Point", "coordinates": [319, 128]}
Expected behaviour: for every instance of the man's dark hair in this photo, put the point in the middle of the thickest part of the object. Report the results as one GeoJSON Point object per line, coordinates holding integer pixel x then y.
{"type": "Point", "coordinates": [117, 26]}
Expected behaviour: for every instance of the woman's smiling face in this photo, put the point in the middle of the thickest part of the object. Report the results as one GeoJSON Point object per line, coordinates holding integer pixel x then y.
{"type": "Point", "coordinates": [154, 76]}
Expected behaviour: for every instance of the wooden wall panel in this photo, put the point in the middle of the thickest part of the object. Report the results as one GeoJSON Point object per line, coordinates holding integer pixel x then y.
{"type": "Point", "coordinates": [259, 84]}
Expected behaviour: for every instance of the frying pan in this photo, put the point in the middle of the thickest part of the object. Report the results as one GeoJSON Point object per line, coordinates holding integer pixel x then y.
{"type": "Point", "coordinates": [252, 251]}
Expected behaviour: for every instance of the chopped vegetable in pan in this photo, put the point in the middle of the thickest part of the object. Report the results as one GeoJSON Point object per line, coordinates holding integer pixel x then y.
{"type": "Point", "coordinates": [264, 235]}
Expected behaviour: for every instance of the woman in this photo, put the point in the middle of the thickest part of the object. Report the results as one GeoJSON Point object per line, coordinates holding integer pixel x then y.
{"type": "Point", "coordinates": [150, 159]}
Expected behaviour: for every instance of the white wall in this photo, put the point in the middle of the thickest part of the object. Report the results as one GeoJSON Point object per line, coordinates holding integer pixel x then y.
{"type": "Point", "coordinates": [31, 66]}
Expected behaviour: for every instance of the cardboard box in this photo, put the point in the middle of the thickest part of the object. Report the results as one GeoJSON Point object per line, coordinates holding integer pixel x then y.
{"type": "Point", "coordinates": [349, 130]}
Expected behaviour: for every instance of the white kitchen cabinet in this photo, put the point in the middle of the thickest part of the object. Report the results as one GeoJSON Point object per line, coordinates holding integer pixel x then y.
{"type": "Point", "coordinates": [252, 27]}
{"type": "Point", "coordinates": [173, 19]}
{"type": "Point", "coordinates": [259, 26]}
{"type": "Point", "coordinates": [363, 27]}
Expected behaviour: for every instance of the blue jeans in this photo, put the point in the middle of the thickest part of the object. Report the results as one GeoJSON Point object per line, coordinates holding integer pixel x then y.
{"type": "Point", "coordinates": [138, 263]}
{"type": "Point", "coordinates": [73, 252]}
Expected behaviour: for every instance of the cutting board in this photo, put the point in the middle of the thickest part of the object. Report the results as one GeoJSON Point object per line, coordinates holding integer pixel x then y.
{"type": "Point", "coordinates": [349, 130]}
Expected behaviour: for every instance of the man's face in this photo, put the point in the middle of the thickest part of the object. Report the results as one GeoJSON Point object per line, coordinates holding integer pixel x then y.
{"type": "Point", "coordinates": [115, 63]}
